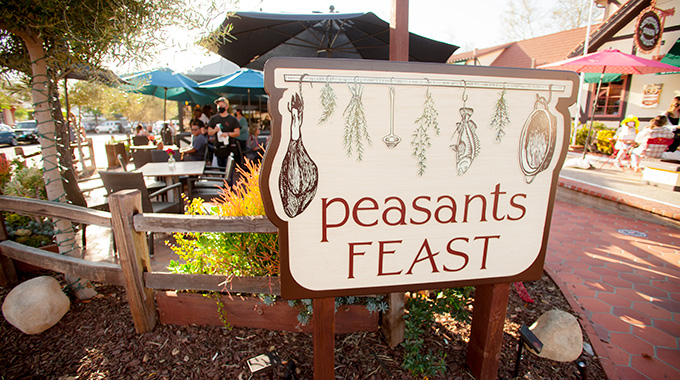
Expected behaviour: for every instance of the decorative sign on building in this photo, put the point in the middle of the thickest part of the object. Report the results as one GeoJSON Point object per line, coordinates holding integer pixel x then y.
{"type": "Point", "coordinates": [650, 95]}
{"type": "Point", "coordinates": [648, 30]}
{"type": "Point", "coordinates": [392, 176]}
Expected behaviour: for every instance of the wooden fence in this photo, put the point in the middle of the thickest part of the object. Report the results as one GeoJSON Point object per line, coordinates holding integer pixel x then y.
{"type": "Point", "coordinates": [134, 272]}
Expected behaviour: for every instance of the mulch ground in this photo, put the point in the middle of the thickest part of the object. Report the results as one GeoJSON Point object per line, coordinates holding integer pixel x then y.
{"type": "Point", "coordinates": [96, 340]}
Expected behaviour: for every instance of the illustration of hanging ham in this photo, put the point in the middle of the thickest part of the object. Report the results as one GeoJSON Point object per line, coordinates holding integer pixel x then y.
{"type": "Point", "coordinates": [467, 144]}
{"type": "Point", "coordinates": [299, 174]}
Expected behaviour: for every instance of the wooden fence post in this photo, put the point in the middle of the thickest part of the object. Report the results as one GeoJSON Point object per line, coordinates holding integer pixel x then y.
{"type": "Point", "coordinates": [134, 257]}
{"type": "Point", "coordinates": [8, 274]}
{"type": "Point", "coordinates": [324, 338]}
{"type": "Point", "coordinates": [392, 323]}
{"type": "Point", "coordinates": [486, 333]}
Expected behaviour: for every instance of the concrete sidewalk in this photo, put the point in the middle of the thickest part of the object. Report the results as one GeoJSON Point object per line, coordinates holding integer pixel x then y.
{"type": "Point", "coordinates": [615, 255]}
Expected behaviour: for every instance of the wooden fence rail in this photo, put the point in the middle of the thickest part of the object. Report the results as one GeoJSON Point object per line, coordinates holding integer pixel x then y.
{"type": "Point", "coordinates": [134, 272]}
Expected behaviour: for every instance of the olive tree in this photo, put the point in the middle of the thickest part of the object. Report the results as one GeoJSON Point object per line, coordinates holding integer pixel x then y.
{"type": "Point", "coordinates": [47, 39]}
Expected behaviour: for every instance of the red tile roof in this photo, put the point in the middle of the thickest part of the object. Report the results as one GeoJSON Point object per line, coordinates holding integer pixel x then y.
{"type": "Point", "coordinates": [544, 49]}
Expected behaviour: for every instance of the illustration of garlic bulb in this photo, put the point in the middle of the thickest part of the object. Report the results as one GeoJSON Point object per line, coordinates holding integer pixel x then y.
{"type": "Point", "coordinates": [537, 141]}
{"type": "Point", "coordinates": [299, 174]}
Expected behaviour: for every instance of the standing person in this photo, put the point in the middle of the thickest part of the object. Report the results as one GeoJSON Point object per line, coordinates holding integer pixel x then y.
{"type": "Point", "coordinates": [225, 128]}
{"type": "Point", "coordinates": [651, 141]}
{"type": "Point", "coordinates": [199, 144]}
{"type": "Point", "coordinates": [243, 125]}
{"type": "Point", "coordinates": [673, 115]}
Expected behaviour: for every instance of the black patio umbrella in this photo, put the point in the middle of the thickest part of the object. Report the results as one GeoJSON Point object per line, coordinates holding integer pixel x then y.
{"type": "Point", "coordinates": [260, 36]}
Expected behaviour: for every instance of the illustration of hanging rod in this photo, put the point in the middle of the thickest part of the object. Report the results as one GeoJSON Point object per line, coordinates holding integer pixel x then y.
{"type": "Point", "coordinates": [306, 78]}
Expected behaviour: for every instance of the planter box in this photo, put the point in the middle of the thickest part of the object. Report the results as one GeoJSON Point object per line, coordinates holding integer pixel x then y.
{"type": "Point", "coordinates": [195, 309]}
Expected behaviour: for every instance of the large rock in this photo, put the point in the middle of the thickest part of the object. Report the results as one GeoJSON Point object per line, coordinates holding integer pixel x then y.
{"type": "Point", "coordinates": [35, 305]}
{"type": "Point", "coordinates": [561, 335]}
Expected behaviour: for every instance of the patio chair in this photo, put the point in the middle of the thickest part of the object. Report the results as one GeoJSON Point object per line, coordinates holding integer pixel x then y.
{"type": "Point", "coordinates": [139, 158]}
{"type": "Point", "coordinates": [158, 155]}
{"type": "Point", "coordinates": [116, 181]}
{"type": "Point", "coordinates": [207, 186]}
{"type": "Point", "coordinates": [75, 196]}
{"type": "Point", "coordinates": [140, 140]}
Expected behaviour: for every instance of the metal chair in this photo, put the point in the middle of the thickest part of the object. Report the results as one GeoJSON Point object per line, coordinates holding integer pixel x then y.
{"type": "Point", "coordinates": [207, 186]}
{"type": "Point", "coordinates": [116, 181]}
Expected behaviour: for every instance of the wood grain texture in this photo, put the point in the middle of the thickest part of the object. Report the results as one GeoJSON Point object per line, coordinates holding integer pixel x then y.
{"type": "Point", "coordinates": [94, 271]}
{"type": "Point", "coordinates": [216, 283]}
{"type": "Point", "coordinates": [324, 338]}
{"type": "Point", "coordinates": [202, 223]}
{"type": "Point", "coordinates": [55, 210]}
{"type": "Point", "coordinates": [134, 257]}
{"type": "Point", "coordinates": [393, 325]}
{"type": "Point", "coordinates": [196, 309]}
{"type": "Point", "coordinates": [486, 335]}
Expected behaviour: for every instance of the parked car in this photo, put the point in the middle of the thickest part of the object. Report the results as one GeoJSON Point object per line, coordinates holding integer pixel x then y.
{"type": "Point", "coordinates": [90, 126]}
{"type": "Point", "coordinates": [110, 127]}
{"type": "Point", "coordinates": [27, 131]}
{"type": "Point", "coordinates": [7, 135]}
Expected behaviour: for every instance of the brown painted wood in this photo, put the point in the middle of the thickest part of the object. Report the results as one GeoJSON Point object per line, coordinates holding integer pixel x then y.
{"type": "Point", "coordinates": [393, 325]}
{"type": "Point", "coordinates": [399, 48]}
{"type": "Point", "coordinates": [8, 274]}
{"type": "Point", "coordinates": [486, 335]}
{"type": "Point", "coordinates": [94, 271]}
{"type": "Point", "coordinates": [197, 309]}
{"type": "Point", "coordinates": [202, 223]}
{"type": "Point", "coordinates": [215, 283]}
{"type": "Point", "coordinates": [393, 321]}
{"type": "Point", "coordinates": [55, 210]}
{"type": "Point", "coordinates": [134, 257]}
{"type": "Point", "coordinates": [324, 338]}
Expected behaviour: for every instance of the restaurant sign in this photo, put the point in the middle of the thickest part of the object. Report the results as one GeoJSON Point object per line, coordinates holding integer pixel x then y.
{"type": "Point", "coordinates": [391, 176]}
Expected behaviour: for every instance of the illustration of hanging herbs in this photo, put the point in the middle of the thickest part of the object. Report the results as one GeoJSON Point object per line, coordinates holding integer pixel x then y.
{"type": "Point", "coordinates": [467, 145]}
{"type": "Point", "coordinates": [500, 119]}
{"type": "Point", "coordinates": [356, 128]}
{"type": "Point", "coordinates": [328, 102]}
{"type": "Point", "coordinates": [421, 138]}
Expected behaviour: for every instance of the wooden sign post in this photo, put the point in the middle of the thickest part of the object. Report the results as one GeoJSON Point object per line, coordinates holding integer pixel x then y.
{"type": "Point", "coordinates": [386, 177]}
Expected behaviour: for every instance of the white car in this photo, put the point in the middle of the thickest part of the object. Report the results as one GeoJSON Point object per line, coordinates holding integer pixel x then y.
{"type": "Point", "coordinates": [110, 127]}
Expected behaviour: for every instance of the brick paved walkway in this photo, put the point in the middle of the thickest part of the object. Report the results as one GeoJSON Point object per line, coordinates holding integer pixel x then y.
{"type": "Point", "coordinates": [623, 276]}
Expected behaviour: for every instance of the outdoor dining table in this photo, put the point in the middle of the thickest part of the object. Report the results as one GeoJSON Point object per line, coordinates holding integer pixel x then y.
{"type": "Point", "coordinates": [171, 174]}
{"type": "Point", "coordinates": [152, 147]}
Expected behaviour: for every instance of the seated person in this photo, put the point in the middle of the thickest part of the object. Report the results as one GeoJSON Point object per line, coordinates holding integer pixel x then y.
{"type": "Point", "coordinates": [625, 138]}
{"type": "Point", "coordinates": [652, 141]}
{"type": "Point", "coordinates": [195, 152]}
{"type": "Point", "coordinates": [141, 131]}
{"type": "Point", "coordinates": [254, 150]}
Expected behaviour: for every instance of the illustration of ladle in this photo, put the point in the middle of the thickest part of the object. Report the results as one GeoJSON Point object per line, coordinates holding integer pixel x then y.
{"type": "Point", "coordinates": [391, 140]}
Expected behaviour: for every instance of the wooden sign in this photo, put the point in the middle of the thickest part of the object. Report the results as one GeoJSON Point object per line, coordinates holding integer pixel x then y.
{"type": "Point", "coordinates": [393, 176]}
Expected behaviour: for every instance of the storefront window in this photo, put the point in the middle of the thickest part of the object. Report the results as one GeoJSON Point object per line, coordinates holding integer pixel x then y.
{"type": "Point", "coordinates": [610, 98]}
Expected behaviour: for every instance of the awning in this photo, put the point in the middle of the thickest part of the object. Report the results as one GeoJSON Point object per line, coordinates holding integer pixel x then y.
{"type": "Point", "coordinates": [673, 55]}
{"type": "Point", "coordinates": [595, 77]}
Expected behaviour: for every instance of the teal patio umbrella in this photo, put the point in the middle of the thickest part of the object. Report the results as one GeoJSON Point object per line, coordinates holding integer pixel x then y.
{"type": "Point", "coordinates": [168, 85]}
{"type": "Point", "coordinates": [241, 82]}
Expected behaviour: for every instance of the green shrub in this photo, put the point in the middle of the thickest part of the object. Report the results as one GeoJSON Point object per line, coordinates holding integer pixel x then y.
{"type": "Point", "coordinates": [421, 317]}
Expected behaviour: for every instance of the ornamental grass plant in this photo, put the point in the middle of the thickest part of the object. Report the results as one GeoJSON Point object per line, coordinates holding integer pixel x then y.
{"type": "Point", "coordinates": [232, 254]}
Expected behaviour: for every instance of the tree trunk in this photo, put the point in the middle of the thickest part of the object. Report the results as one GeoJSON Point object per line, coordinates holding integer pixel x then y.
{"type": "Point", "coordinates": [41, 91]}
